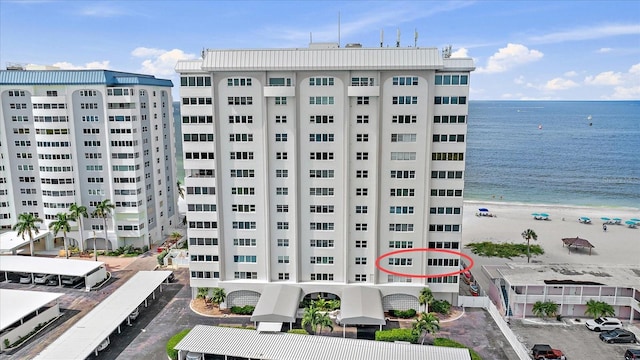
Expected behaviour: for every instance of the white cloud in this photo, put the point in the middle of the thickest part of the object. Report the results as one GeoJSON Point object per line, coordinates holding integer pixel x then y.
{"type": "Point", "coordinates": [160, 62]}
{"type": "Point", "coordinates": [559, 84]}
{"type": "Point", "coordinates": [587, 33]}
{"type": "Point", "coordinates": [102, 10]}
{"type": "Point", "coordinates": [509, 57]}
{"type": "Point", "coordinates": [635, 69]}
{"type": "Point", "coordinates": [460, 53]}
{"type": "Point", "coordinates": [64, 65]}
{"type": "Point", "coordinates": [519, 80]}
{"type": "Point", "coordinates": [604, 50]}
{"type": "Point", "coordinates": [607, 78]}
{"type": "Point", "coordinates": [571, 73]}
{"type": "Point", "coordinates": [626, 93]}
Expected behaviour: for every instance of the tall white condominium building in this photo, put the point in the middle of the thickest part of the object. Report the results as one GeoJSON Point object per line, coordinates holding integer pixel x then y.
{"type": "Point", "coordinates": [83, 136]}
{"type": "Point", "coordinates": [308, 166]}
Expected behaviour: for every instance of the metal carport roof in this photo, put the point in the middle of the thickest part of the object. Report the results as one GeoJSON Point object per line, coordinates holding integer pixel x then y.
{"type": "Point", "coordinates": [361, 305]}
{"type": "Point", "coordinates": [10, 240]}
{"type": "Point", "coordinates": [277, 303]}
{"type": "Point", "coordinates": [16, 304]}
{"type": "Point", "coordinates": [42, 265]}
{"type": "Point", "coordinates": [281, 346]}
{"type": "Point", "coordinates": [84, 336]}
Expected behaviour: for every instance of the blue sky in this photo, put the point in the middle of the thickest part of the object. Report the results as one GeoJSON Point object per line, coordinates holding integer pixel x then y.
{"type": "Point", "coordinates": [523, 50]}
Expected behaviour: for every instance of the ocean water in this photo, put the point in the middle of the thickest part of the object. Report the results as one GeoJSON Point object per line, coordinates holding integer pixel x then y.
{"type": "Point", "coordinates": [554, 152]}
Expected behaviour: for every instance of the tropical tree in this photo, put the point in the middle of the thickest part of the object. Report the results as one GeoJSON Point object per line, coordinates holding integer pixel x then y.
{"type": "Point", "coordinates": [180, 189]}
{"type": "Point", "coordinates": [103, 210]}
{"type": "Point", "coordinates": [77, 212]}
{"type": "Point", "coordinates": [321, 304]}
{"type": "Point", "coordinates": [425, 298]}
{"type": "Point", "coordinates": [61, 223]}
{"type": "Point", "coordinates": [28, 225]}
{"type": "Point", "coordinates": [324, 321]}
{"type": "Point", "coordinates": [545, 309]}
{"type": "Point", "coordinates": [529, 235]}
{"type": "Point", "coordinates": [218, 296]}
{"type": "Point", "coordinates": [426, 323]}
{"type": "Point", "coordinates": [314, 318]}
{"type": "Point", "coordinates": [599, 308]}
{"type": "Point", "coordinates": [203, 293]}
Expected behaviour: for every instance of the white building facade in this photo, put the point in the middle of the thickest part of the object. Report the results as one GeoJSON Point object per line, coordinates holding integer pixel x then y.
{"type": "Point", "coordinates": [305, 166]}
{"type": "Point", "coordinates": [83, 136]}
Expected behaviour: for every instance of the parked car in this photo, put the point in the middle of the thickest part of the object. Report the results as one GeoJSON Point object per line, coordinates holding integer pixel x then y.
{"type": "Point", "coordinates": [544, 351]}
{"type": "Point", "coordinates": [53, 281]}
{"type": "Point", "coordinates": [104, 344]}
{"type": "Point", "coordinates": [194, 356]}
{"type": "Point", "coordinates": [618, 336]}
{"type": "Point", "coordinates": [134, 315]}
{"type": "Point", "coordinates": [603, 324]}
{"type": "Point", "coordinates": [25, 278]}
{"type": "Point", "coordinates": [71, 280]}
{"type": "Point", "coordinates": [42, 278]}
{"type": "Point", "coordinates": [632, 354]}
{"type": "Point", "coordinates": [171, 277]}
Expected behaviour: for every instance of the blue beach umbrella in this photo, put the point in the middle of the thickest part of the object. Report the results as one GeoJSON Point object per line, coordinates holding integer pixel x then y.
{"type": "Point", "coordinates": [584, 218]}
{"type": "Point", "coordinates": [544, 214]}
{"type": "Point", "coordinates": [605, 219]}
{"type": "Point", "coordinates": [616, 219]}
{"type": "Point", "coordinates": [634, 219]}
{"type": "Point", "coordinates": [483, 209]}
{"type": "Point", "coordinates": [630, 222]}
{"type": "Point", "coordinates": [535, 214]}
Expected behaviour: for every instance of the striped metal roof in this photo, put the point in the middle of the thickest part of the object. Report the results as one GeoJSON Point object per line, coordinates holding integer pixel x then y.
{"type": "Point", "coordinates": [321, 59]}
{"type": "Point", "coordinates": [78, 77]}
{"type": "Point", "coordinates": [282, 346]}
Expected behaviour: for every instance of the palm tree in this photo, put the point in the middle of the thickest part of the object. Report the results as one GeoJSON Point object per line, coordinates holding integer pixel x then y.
{"type": "Point", "coordinates": [321, 304]}
{"type": "Point", "coordinates": [203, 293]}
{"type": "Point", "coordinates": [425, 298]}
{"type": "Point", "coordinates": [61, 223]}
{"type": "Point", "coordinates": [311, 317]}
{"type": "Point", "coordinates": [218, 296]}
{"type": "Point", "coordinates": [27, 225]}
{"type": "Point", "coordinates": [324, 321]}
{"type": "Point", "coordinates": [103, 210]}
{"type": "Point", "coordinates": [180, 189]}
{"type": "Point", "coordinates": [599, 308]}
{"type": "Point", "coordinates": [426, 323]}
{"type": "Point", "coordinates": [77, 212]}
{"type": "Point", "coordinates": [528, 235]}
{"type": "Point", "coordinates": [545, 309]}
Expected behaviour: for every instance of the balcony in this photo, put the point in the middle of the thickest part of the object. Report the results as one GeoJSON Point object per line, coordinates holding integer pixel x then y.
{"type": "Point", "coordinates": [363, 90]}
{"type": "Point", "coordinates": [279, 91]}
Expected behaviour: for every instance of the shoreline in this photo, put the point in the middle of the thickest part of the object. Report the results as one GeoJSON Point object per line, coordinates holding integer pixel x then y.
{"type": "Point", "coordinates": [546, 205]}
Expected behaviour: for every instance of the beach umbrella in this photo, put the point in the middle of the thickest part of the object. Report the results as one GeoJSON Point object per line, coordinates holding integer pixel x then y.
{"type": "Point", "coordinates": [634, 219]}
{"type": "Point", "coordinates": [585, 218]}
{"type": "Point", "coordinates": [616, 219]}
{"type": "Point", "coordinates": [544, 214]}
{"type": "Point", "coordinates": [605, 219]}
{"type": "Point", "coordinates": [483, 209]}
{"type": "Point", "coordinates": [535, 214]}
{"type": "Point", "coordinates": [630, 222]}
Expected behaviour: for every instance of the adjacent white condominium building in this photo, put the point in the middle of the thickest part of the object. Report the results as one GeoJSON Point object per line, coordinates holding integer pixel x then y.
{"type": "Point", "coordinates": [309, 166]}
{"type": "Point", "coordinates": [82, 136]}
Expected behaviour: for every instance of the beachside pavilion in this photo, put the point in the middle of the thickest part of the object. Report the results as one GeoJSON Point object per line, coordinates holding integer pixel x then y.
{"type": "Point", "coordinates": [22, 311]}
{"type": "Point", "coordinates": [570, 286]}
{"type": "Point", "coordinates": [239, 344]}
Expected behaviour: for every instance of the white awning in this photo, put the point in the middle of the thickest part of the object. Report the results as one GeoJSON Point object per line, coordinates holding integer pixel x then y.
{"type": "Point", "coordinates": [361, 305]}
{"type": "Point", "coordinates": [34, 264]}
{"type": "Point", "coordinates": [10, 240]}
{"type": "Point", "coordinates": [277, 303]}
{"type": "Point", "coordinates": [84, 336]}
{"type": "Point", "coordinates": [16, 304]}
{"type": "Point", "coordinates": [269, 327]}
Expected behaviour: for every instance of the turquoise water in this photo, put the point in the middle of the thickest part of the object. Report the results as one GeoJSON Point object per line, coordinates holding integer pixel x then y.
{"type": "Point", "coordinates": [547, 152]}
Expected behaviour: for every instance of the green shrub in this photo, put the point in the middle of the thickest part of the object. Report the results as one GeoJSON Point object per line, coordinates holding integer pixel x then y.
{"type": "Point", "coordinates": [404, 314]}
{"type": "Point", "coordinates": [392, 335]}
{"type": "Point", "coordinates": [243, 310]}
{"type": "Point", "coordinates": [298, 331]}
{"type": "Point", "coordinates": [452, 344]}
{"type": "Point", "coordinates": [145, 248]}
{"type": "Point", "coordinates": [171, 352]}
{"type": "Point", "coordinates": [440, 306]}
{"type": "Point", "coordinates": [161, 257]}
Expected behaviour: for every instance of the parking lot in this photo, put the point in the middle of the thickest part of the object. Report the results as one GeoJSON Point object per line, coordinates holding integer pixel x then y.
{"type": "Point", "coordinates": [575, 340]}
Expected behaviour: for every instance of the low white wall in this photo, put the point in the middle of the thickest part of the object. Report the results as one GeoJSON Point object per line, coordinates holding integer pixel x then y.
{"type": "Point", "coordinates": [28, 326]}
{"type": "Point", "coordinates": [95, 277]}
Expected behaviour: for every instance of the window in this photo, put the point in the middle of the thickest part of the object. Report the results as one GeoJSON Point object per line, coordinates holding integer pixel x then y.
{"type": "Point", "coordinates": [443, 156]}
{"type": "Point", "coordinates": [244, 258]}
{"type": "Point", "coordinates": [203, 224]}
{"type": "Point", "coordinates": [362, 100]}
{"type": "Point", "coordinates": [446, 174]}
{"type": "Point", "coordinates": [401, 210]}
{"type": "Point", "coordinates": [446, 192]}
{"type": "Point", "coordinates": [362, 174]}
{"type": "Point", "coordinates": [321, 277]}
{"type": "Point", "coordinates": [362, 119]}
{"type": "Point", "coordinates": [321, 191]}
{"type": "Point", "coordinates": [244, 242]}
{"type": "Point", "coordinates": [361, 227]}
{"type": "Point", "coordinates": [403, 119]}
{"type": "Point", "coordinates": [324, 260]}
{"type": "Point", "coordinates": [321, 81]}
{"type": "Point", "coordinates": [241, 155]}
{"type": "Point", "coordinates": [404, 100]}
{"type": "Point", "coordinates": [253, 275]}
{"type": "Point", "coordinates": [198, 101]}
{"type": "Point", "coordinates": [321, 209]}
{"type": "Point", "coordinates": [280, 100]}
{"type": "Point", "coordinates": [195, 81]}
{"type": "Point", "coordinates": [401, 244]}
{"type": "Point", "coordinates": [362, 192]}
{"type": "Point", "coordinates": [405, 80]}
{"type": "Point", "coordinates": [450, 119]}
{"type": "Point", "coordinates": [443, 262]}
{"type": "Point", "coordinates": [361, 261]}
{"type": "Point", "coordinates": [321, 119]}
{"type": "Point", "coordinates": [403, 174]}
{"type": "Point", "coordinates": [240, 100]}
{"type": "Point", "coordinates": [321, 243]}
{"type": "Point", "coordinates": [282, 191]}
{"type": "Point", "coordinates": [197, 119]}
{"type": "Point", "coordinates": [246, 208]}
{"type": "Point", "coordinates": [443, 280]}
{"type": "Point", "coordinates": [282, 242]}
{"type": "Point", "coordinates": [283, 276]}
{"type": "Point", "coordinates": [240, 119]}
{"type": "Point", "coordinates": [361, 209]}
{"type": "Point", "coordinates": [321, 137]}
{"type": "Point", "coordinates": [360, 277]}
{"type": "Point", "coordinates": [281, 119]}
{"type": "Point", "coordinates": [321, 156]}
{"type": "Point", "coordinates": [282, 173]}
{"type": "Point", "coordinates": [282, 225]}
{"type": "Point", "coordinates": [400, 261]}
{"type": "Point", "coordinates": [281, 156]}
{"type": "Point", "coordinates": [362, 81]}
{"type": "Point", "coordinates": [282, 208]}
{"type": "Point", "coordinates": [362, 156]}
{"type": "Point", "coordinates": [444, 228]}
{"type": "Point", "coordinates": [242, 173]}
{"type": "Point", "coordinates": [452, 80]}
{"type": "Point", "coordinates": [321, 100]}
{"type": "Point", "coordinates": [243, 191]}
{"type": "Point", "coordinates": [240, 137]}
{"type": "Point", "coordinates": [448, 138]}
{"type": "Point", "coordinates": [403, 137]}
{"type": "Point", "coordinates": [321, 226]}
{"type": "Point", "coordinates": [403, 155]}
{"type": "Point", "coordinates": [239, 82]}
{"type": "Point", "coordinates": [362, 137]}
{"type": "Point", "coordinates": [283, 259]}
{"type": "Point", "coordinates": [361, 243]}
{"type": "Point", "coordinates": [281, 137]}
{"type": "Point", "coordinates": [454, 100]}
{"type": "Point", "coordinates": [244, 225]}
{"type": "Point", "coordinates": [204, 190]}
{"type": "Point", "coordinates": [401, 227]}
{"type": "Point", "coordinates": [321, 173]}
{"type": "Point", "coordinates": [203, 241]}
{"type": "Point", "coordinates": [280, 82]}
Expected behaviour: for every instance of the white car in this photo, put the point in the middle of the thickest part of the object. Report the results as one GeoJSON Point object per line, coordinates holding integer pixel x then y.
{"type": "Point", "coordinates": [104, 344]}
{"type": "Point", "coordinates": [194, 356]}
{"type": "Point", "coordinates": [43, 278]}
{"type": "Point", "coordinates": [134, 315]}
{"type": "Point", "coordinates": [604, 324]}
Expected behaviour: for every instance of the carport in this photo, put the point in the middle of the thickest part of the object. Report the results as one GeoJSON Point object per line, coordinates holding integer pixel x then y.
{"type": "Point", "coordinates": [361, 305]}
{"type": "Point", "coordinates": [93, 272]}
{"type": "Point", "coordinates": [230, 343]}
{"type": "Point", "coordinates": [277, 304]}
{"type": "Point", "coordinates": [84, 336]}
{"type": "Point", "coordinates": [21, 311]}
{"type": "Point", "coordinates": [12, 243]}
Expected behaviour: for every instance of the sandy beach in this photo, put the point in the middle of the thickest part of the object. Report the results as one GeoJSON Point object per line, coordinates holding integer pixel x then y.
{"type": "Point", "coordinates": [618, 245]}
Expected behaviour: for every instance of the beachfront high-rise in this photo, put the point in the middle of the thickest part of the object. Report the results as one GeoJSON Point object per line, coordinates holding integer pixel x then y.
{"type": "Point", "coordinates": [304, 166]}
{"type": "Point", "coordinates": [83, 136]}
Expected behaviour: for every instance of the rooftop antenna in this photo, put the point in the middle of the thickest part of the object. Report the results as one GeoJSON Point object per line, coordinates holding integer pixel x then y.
{"type": "Point", "coordinates": [415, 38]}
{"type": "Point", "coordinates": [338, 28]}
{"type": "Point", "coordinates": [381, 37]}
{"type": "Point", "coordinates": [446, 52]}
{"type": "Point", "coordinates": [398, 38]}
{"type": "Point", "coordinates": [310, 38]}
{"type": "Point", "coordinates": [202, 53]}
